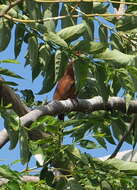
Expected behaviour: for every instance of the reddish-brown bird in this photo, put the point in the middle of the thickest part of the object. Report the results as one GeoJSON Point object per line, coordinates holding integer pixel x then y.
{"type": "Point", "coordinates": [66, 87]}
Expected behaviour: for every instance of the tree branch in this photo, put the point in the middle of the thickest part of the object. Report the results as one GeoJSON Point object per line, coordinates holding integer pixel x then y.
{"type": "Point", "coordinates": [25, 178]}
{"type": "Point", "coordinates": [80, 105]}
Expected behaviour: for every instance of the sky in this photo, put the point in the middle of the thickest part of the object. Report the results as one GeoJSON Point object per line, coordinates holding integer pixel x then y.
{"type": "Point", "coordinates": [7, 156]}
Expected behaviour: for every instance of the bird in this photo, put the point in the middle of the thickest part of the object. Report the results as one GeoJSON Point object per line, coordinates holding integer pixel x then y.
{"type": "Point", "coordinates": [66, 86]}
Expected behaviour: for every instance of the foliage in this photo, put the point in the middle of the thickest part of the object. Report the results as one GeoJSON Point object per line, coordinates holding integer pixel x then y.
{"type": "Point", "coordinates": [105, 65]}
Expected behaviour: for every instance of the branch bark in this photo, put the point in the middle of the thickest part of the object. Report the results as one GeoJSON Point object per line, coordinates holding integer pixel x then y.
{"type": "Point", "coordinates": [23, 179]}
{"type": "Point", "coordinates": [80, 105]}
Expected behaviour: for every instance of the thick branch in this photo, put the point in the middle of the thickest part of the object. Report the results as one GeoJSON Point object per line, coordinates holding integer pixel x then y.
{"type": "Point", "coordinates": [81, 105]}
{"type": "Point", "coordinates": [8, 96]}
{"type": "Point", "coordinates": [23, 179]}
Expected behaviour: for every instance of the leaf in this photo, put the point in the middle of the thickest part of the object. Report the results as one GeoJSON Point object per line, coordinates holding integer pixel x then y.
{"type": "Point", "coordinates": [29, 186]}
{"type": "Point", "coordinates": [7, 173]}
{"type": "Point", "coordinates": [24, 145]}
{"type": "Point", "coordinates": [37, 152]}
{"type": "Point", "coordinates": [89, 33]}
{"type": "Point", "coordinates": [88, 144]}
{"type": "Point", "coordinates": [33, 9]}
{"type": "Point", "coordinates": [100, 8]}
{"type": "Point", "coordinates": [67, 11]}
{"type": "Point", "coordinates": [49, 80]}
{"type": "Point", "coordinates": [123, 165]}
{"type": "Point", "coordinates": [81, 71]}
{"type": "Point", "coordinates": [55, 38]}
{"type": "Point", "coordinates": [126, 23]}
{"type": "Point", "coordinates": [103, 33]}
{"type": "Point", "coordinates": [9, 61]}
{"type": "Point", "coordinates": [117, 42]}
{"type": "Point", "coordinates": [5, 35]}
{"type": "Point", "coordinates": [44, 56]}
{"type": "Point", "coordinates": [116, 56]}
{"type": "Point", "coordinates": [74, 151]}
{"type": "Point", "coordinates": [11, 123]}
{"type": "Point", "coordinates": [19, 37]}
{"type": "Point", "coordinates": [101, 77]}
{"type": "Point", "coordinates": [89, 47]}
{"type": "Point", "coordinates": [12, 185]}
{"type": "Point", "coordinates": [61, 60]}
{"type": "Point", "coordinates": [50, 10]}
{"type": "Point", "coordinates": [33, 56]}
{"type": "Point", "coordinates": [12, 12]}
{"type": "Point", "coordinates": [9, 83]}
{"type": "Point", "coordinates": [105, 185]}
{"type": "Point", "coordinates": [73, 185]}
{"type": "Point", "coordinates": [119, 127]}
{"type": "Point", "coordinates": [108, 134]}
{"type": "Point", "coordinates": [101, 141]}
{"type": "Point", "coordinates": [72, 33]}
{"type": "Point", "coordinates": [86, 7]}
{"type": "Point", "coordinates": [6, 72]}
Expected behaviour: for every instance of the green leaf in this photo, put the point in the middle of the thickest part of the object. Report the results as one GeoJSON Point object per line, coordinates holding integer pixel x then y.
{"type": "Point", "coordinates": [89, 33]}
{"type": "Point", "coordinates": [123, 165]}
{"type": "Point", "coordinates": [72, 33]}
{"type": "Point", "coordinates": [11, 123]}
{"type": "Point", "coordinates": [29, 186]}
{"type": "Point", "coordinates": [66, 10]}
{"type": "Point", "coordinates": [117, 42]}
{"type": "Point", "coordinates": [119, 127]}
{"type": "Point", "coordinates": [33, 9]}
{"type": "Point", "coordinates": [105, 185]}
{"type": "Point", "coordinates": [9, 83]}
{"type": "Point", "coordinates": [74, 151]}
{"type": "Point", "coordinates": [101, 141]}
{"type": "Point", "coordinates": [24, 145]}
{"type": "Point", "coordinates": [101, 77]}
{"type": "Point", "coordinates": [5, 34]}
{"type": "Point", "coordinates": [37, 151]}
{"type": "Point", "coordinates": [116, 56]}
{"type": "Point", "coordinates": [19, 37]}
{"type": "Point", "coordinates": [86, 7]}
{"type": "Point", "coordinates": [12, 185]}
{"type": "Point", "coordinates": [6, 72]}
{"type": "Point", "coordinates": [55, 38]}
{"type": "Point", "coordinates": [89, 47]}
{"type": "Point", "coordinates": [49, 80]}
{"type": "Point", "coordinates": [103, 33]}
{"type": "Point", "coordinates": [9, 61]}
{"type": "Point", "coordinates": [44, 56]}
{"type": "Point", "coordinates": [12, 12]}
{"type": "Point", "coordinates": [50, 10]}
{"type": "Point", "coordinates": [127, 23]}
{"type": "Point", "coordinates": [33, 56]}
{"type": "Point", "coordinates": [73, 185]}
{"type": "Point", "coordinates": [61, 60]}
{"type": "Point", "coordinates": [7, 173]}
{"type": "Point", "coordinates": [88, 144]}
{"type": "Point", "coordinates": [108, 134]}
{"type": "Point", "coordinates": [81, 71]}
{"type": "Point", "coordinates": [100, 8]}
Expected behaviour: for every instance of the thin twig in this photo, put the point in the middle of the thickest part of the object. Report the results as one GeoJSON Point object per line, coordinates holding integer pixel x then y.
{"type": "Point", "coordinates": [63, 17]}
{"type": "Point", "coordinates": [100, 1]}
